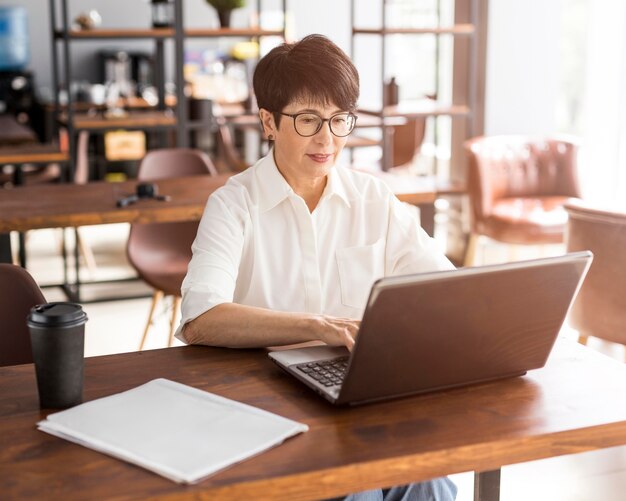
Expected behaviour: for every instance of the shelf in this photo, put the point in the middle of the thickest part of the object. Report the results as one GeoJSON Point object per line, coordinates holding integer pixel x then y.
{"type": "Point", "coordinates": [134, 120]}
{"type": "Point", "coordinates": [32, 153]}
{"type": "Point", "coordinates": [422, 108]}
{"type": "Point", "coordinates": [102, 33]}
{"type": "Point", "coordinates": [457, 29]}
{"type": "Point", "coordinates": [232, 32]}
{"type": "Point", "coordinates": [360, 142]}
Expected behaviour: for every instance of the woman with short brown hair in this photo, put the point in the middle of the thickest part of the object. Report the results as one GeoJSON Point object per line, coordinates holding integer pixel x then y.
{"type": "Point", "coordinates": [287, 251]}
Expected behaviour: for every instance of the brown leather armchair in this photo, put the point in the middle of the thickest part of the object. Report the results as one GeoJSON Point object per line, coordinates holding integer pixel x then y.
{"type": "Point", "coordinates": [160, 252]}
{"type": "Point", "coordinates": [600, 307]}
{"type": "Point", "coordinates": [18, 294]}
{"type": "Point", "coordinates": [517, 188]}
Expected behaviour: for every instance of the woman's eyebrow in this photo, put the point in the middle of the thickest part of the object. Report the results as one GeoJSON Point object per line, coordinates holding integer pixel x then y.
{"type": "Point", "coordinates": [317, 112]}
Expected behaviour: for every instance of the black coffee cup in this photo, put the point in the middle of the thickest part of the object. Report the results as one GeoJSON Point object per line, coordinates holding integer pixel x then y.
{"type": "Point", "coordinates": [57, 336]}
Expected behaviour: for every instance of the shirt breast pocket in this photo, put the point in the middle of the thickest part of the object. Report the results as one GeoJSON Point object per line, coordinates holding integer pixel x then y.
{"type": "Point", "coordinates": [358, 268]}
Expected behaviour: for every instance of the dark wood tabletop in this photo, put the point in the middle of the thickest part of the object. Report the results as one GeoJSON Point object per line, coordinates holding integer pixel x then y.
{"type": "Point", "coordinates": [64, 205]}
{"type": "Point", "coordinates": [61, 205]}
{"type": "Point", "coordinates": [575, 404]}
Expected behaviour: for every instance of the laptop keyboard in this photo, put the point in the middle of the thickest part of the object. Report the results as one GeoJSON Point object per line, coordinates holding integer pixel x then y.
{"type": "Point", "coordinates": [326, 372]}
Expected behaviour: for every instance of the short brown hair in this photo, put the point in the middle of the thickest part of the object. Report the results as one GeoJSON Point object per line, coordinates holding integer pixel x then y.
{"type": "Point", "coordinates": [313, 68]}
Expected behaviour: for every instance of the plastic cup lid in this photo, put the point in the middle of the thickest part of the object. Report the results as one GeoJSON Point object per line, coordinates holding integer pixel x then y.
{"type": "Point", "coordinates": [54, 314]}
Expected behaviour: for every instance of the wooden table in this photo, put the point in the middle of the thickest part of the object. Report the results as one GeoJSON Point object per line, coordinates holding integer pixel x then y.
{"type": "Point", "coordinates": [575, 404]}
{"type": "Point", "coordinates": [62, 205]}
{"type": "Point", "coordinates": [31, 207]}
{"type": "Point", "coordinates": [26, 208]}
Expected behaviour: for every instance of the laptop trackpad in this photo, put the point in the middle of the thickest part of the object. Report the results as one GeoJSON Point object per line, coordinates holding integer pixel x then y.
{"type": "Point", "coordinates": [310, 354]}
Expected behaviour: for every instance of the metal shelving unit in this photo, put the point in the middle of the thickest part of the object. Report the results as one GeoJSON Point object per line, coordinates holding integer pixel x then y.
{"type": "Point", "coordinates": [463, 108]}
{"type": "Point", "coordinates": [159, 118]}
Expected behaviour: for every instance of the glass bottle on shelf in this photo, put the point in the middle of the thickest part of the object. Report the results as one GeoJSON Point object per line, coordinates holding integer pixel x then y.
{"type": "Point", "coordinates": [162, 13]}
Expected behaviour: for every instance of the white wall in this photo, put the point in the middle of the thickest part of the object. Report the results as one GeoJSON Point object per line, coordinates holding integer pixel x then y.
{"type": "Point", "coordinates": [522, 67]}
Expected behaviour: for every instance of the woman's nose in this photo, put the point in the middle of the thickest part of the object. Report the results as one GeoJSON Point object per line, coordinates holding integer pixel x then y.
{"type": "Point", "coordinates": [324, 135]}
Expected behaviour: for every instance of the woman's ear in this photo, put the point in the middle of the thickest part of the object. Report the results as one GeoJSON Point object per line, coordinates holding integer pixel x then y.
{"type": "Point", "coordinates": [268, 124]}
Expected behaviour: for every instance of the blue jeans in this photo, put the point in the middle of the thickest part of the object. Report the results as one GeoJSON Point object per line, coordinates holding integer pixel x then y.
{"type": "Point", "coordinates": [438, 489]}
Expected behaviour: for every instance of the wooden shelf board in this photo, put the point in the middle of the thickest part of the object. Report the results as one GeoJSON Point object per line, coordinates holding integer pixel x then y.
{"type": "Point", "coordinates": [117, 33]}
{"type": "Point", "coordinates": [165, 33]}
{"type": "Point", "coordinates": [135, 120]}
{"type": "Point", "coordinates": [232, 32]}
{"type": "Point", "coordinates": [458, 29]}
{"type": "Point", "coordinates": [32, 153]}
{"type": "Point", "coordinates": [360, 141]}
{"type": "Point", "coordinates": [422, 108]}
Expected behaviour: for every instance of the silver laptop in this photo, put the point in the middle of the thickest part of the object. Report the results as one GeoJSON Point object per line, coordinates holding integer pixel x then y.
{"type": "Point", "coordinates": [439, 330]}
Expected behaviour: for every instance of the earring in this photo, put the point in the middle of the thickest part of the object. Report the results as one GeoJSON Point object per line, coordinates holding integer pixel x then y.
{"type": "Point", "coordinates": [270, 137]}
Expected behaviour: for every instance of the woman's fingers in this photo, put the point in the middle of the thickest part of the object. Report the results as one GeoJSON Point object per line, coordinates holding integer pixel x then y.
{"type": "Point", "coordinates": [338, 331]}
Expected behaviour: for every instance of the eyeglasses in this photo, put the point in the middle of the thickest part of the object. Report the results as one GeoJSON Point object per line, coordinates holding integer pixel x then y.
{"type": "Point", "coordinates": [308, 124]}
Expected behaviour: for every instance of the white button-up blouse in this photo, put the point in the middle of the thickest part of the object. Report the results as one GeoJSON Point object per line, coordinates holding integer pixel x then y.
{"type": "Point", "coordinates": [259, 245]}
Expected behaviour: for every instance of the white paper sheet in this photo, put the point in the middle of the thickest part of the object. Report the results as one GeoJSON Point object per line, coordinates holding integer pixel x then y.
{"type": "Point", "coordinates": [177, 431]}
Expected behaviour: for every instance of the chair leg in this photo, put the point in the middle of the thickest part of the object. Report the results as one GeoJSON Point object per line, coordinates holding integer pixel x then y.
{"type": "Point", "coordinates": [470, 251]}
{"type": "Point", "coordinates": [158, 295]}
{"type": "Point", "coordinates": [175, 308]}
{"type": "Point", "coordinates": [87, 253]}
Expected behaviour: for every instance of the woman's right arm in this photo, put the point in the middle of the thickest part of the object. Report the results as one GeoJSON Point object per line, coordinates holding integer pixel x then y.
{"type": "Point", "coordinates": [238, 326]}
{"type": "Point", "coordinates": [209, 315]}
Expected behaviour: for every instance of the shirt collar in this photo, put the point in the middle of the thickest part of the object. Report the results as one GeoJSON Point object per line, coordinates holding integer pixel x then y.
{"type": "Point", "coordinates": [335, 186]}
{"type": "Point", "coordinates": [273, 188]}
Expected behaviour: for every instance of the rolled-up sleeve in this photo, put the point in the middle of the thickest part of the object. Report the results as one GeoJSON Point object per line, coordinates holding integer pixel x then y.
{"type": "Point", "coordinates": [212, 272]}
{"type": "Point", "coordinates": [409, 248]}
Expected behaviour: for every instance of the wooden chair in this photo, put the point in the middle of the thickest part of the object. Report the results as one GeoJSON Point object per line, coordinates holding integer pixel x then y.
{"type": "Point", "coordinates": [18, 294]}
{"type": "Point", "coordinates": [407, 141]}
{"type": "Point", "coordinates": [600, 307]}
{"type": "Point", "coordinates": [226, 151]}
{"type": "Point", "coordinates": [517, 187]}
{"type": "Point", "coordinates": [160, 252]}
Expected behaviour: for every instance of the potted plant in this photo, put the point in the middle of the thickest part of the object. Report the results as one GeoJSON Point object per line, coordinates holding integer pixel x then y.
{"type": "Point", "coordinates": [224, 9]}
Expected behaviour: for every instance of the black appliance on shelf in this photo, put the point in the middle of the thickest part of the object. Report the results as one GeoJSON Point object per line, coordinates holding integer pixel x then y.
{"type": "Point", "coordinates": [135, 66]}
{"type": "Point", "coordinates": [17, 97]}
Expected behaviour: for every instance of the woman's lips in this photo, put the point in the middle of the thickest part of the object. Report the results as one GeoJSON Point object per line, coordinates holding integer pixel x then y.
{"type": "Point", "coordinates": [319, 157]}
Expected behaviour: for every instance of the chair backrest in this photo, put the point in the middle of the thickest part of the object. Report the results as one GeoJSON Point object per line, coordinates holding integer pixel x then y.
{"type": "Point", "coordinates": [600, 307]}
{"type": "Point", "coordinates": [407, 140]}
{"type": "Point", "coordinates": [174, 162]}
{"type": "Point", "coordinates": [519, 166]}
{"type": "Point", "coordinates": [18, 294]}
{"type": "Point", "coordinates": [158, 250]}
{"type": "Point", "coordinates": [226, 150]}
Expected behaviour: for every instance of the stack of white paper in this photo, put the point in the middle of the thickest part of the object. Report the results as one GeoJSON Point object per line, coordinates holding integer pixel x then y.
{"type": "Point", "coordinates": [174, 430]}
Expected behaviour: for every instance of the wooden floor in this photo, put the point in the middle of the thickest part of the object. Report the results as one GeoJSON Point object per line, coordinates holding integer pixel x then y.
{"type": "Point", "coordinates": [116, 326]}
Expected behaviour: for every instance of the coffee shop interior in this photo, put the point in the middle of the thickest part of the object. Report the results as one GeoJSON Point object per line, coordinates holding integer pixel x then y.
{"type": "Point", "coordinates": [500, 122]}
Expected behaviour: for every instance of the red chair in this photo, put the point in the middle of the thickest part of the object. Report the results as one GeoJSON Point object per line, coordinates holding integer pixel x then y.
{"type": "Point", "coordinates": [160, 252]}
{"type": "Point", "coordinates": [18, 294]}
{"type": "Point", "coordinates": [517, 188]}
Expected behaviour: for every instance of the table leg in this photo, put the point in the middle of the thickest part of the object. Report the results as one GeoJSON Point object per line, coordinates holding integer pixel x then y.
{"type": "Point", "coordinates": [487, 485]}
{"type": "Point", "coordinates": [22, 248]}
{"type": "Point", "coordinates": [5, 248]}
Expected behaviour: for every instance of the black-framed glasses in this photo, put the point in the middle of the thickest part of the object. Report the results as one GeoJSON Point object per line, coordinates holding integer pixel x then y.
{"type": "Point", "coordinates": [308, 124]}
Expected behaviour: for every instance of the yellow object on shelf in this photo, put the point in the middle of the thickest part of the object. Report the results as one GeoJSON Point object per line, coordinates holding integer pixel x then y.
{"type": "Point", "coordinates": [124, 145]}
{"type": "Point", "coordinates": [245, 50]}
